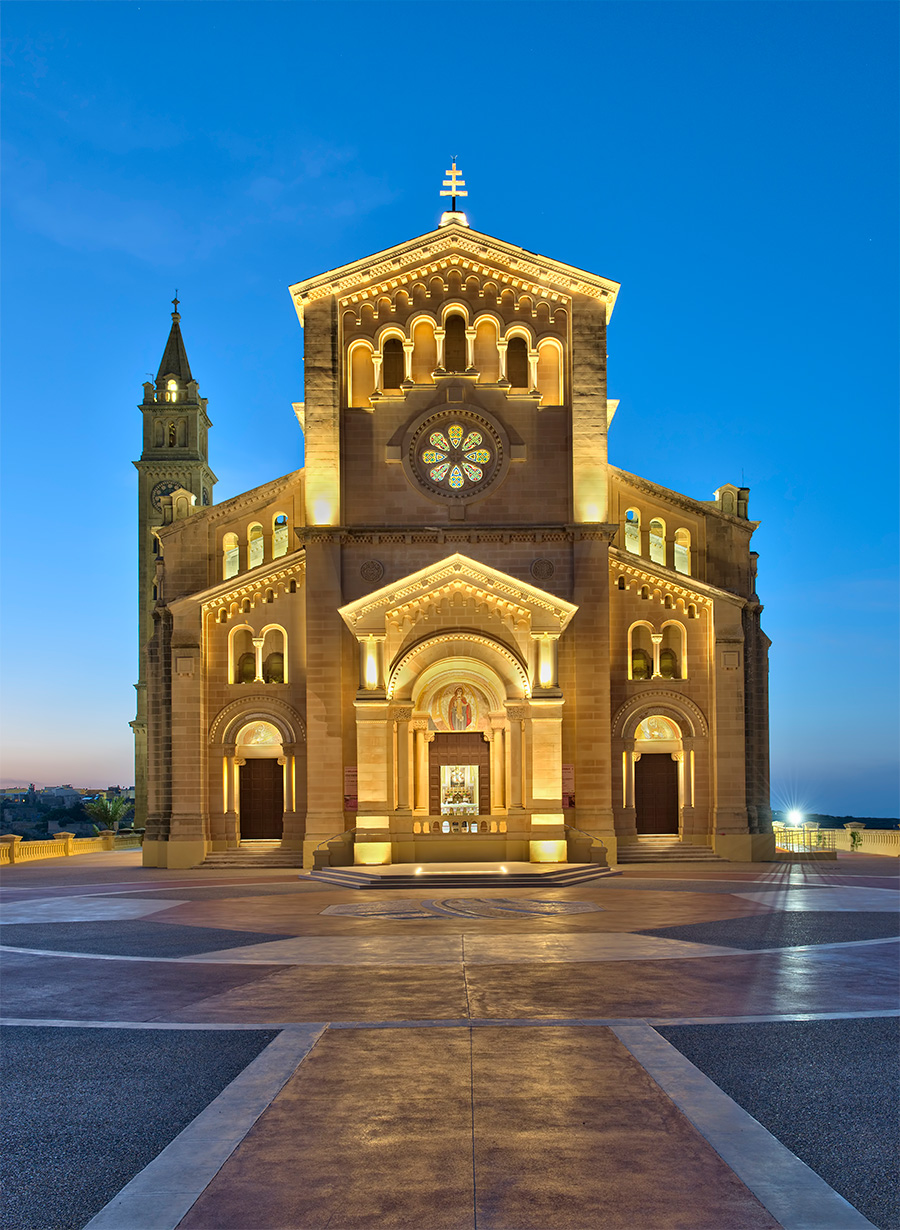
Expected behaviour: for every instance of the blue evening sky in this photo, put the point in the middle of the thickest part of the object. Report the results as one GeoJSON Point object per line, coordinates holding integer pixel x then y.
{"type": "Point", "coordinates": [734, 165]}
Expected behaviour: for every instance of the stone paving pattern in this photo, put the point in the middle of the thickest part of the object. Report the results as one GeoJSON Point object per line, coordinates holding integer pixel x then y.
{"type": "Point", "coordinates": [401, 1115]}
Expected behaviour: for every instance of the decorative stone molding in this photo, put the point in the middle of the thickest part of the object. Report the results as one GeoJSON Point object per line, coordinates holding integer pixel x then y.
{"type": "Point", "coordinates": [262, 708]}
{"type": "Point", "coordinates": [620, 565]}
{"type": "Point", "coordinates": [372, 570]}
{"type": "Point", "coordinates": [542, 569]}
{"type": "Point", "coordinates": [667, 704]}
{"type": "Point", "coordinates": [252, 584]}
{"type": "Point", "coordinates": [448, 637]}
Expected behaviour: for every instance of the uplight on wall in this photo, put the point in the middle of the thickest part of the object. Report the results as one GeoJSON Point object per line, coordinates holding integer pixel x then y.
{"type": "Point", "coordinates": [322, 512]}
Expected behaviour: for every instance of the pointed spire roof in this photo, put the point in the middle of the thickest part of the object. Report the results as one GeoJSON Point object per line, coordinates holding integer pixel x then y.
{"type": "Point", "coordinates": [175, 360]}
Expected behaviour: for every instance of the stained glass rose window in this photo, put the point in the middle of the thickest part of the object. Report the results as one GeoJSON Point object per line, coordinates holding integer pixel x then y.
{"type": "Point", "coordinates": [455, 453]}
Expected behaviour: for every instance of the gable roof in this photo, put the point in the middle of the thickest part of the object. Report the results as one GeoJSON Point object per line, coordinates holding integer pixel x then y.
{"type": "Point", "coordinates": [456, 245]}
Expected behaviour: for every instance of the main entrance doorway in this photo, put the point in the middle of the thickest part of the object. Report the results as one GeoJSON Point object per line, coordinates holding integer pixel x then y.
{"type": "Point", "coordinates": [459, 775]}
{"type": "Point", "coordinates": [656, 793]}
{"type": "Point", "coordinates": [262, 800]}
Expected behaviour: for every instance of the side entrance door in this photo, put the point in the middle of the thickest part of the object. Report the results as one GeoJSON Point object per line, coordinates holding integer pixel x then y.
{"type": "Point", "coordinates": [656, 794]}
{"type": "Point", "coordinates": [262, 800]}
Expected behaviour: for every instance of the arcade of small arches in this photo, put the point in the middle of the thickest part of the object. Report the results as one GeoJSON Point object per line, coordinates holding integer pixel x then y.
{"type": "Point", "coordinates": [257, 657]}
{"type": "Point", "coordinates": [427, 346]}
{"type": "Point", "coordinates": [257, 548]}
{"type": "Point", "coordinates": [653, 544]}
{"type": "Point", "coordinates": [657, 653]}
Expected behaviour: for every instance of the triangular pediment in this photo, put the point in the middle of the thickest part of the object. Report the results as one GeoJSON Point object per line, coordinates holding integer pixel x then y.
{"type": "Point", "coordinates": [462, 579]}
{"type": "Point", "coordinates": [453, 245]}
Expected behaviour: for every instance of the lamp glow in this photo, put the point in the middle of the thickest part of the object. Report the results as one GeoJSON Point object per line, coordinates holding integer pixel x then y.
{"type": "Point", "coordinates": [795, 817]}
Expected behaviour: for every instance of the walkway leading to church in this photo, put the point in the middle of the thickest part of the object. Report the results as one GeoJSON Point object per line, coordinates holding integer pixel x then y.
{"type": "Point", "coordinates": [704, 1048]}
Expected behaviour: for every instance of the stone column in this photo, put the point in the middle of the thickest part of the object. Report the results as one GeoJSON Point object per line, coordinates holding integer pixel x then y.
{"type": "Point", "coordinates": [590, 627]}
{"type": "Point", "coordinates": [421, 731]}
{"type": "Point", "coordinates": [502, 345]}
{"type": "Point", "coordinates": [470, 348]}
{"type": "Point", "coordinates": [324, 711]}
{"type": "Point", "coordinates": [656, 638]}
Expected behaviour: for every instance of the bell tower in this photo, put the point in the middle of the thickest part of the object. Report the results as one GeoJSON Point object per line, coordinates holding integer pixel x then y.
{"type": "Point", "coordinates": [174, 457]}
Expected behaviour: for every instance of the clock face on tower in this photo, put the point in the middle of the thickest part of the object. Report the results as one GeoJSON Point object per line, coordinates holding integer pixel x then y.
{"type": "Point", "coordinates": [161, 489]}
{"type": "Point", "coordinates": [455, 453]}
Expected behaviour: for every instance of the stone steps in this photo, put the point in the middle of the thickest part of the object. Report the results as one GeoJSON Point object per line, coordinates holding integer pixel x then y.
{"type": "Point", "coordinates": [350, 877]}
{"type": "Point", "coordinates": [255, 854]}
{"type": "Point", "coordinates": [664, 849]}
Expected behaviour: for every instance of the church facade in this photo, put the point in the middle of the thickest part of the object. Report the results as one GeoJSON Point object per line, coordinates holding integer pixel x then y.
{"type": "Point", "coordinates": [459, 632]}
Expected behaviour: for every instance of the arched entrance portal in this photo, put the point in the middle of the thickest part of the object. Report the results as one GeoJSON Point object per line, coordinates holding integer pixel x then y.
{"type": "Point", "coordinates": [261, 782]}
{"type": "Point", "coordinates": [657, 745]}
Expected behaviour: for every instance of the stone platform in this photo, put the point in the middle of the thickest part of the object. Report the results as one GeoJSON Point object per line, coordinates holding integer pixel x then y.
{"type": "Point", "coordinates": [672, 1048]}
{"type": "Point", "coordinates": [461, 875]}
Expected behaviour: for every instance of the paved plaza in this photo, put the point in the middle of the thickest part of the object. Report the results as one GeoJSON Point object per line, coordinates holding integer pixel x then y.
{"type": "Point", "coordinates": [698, 1047]}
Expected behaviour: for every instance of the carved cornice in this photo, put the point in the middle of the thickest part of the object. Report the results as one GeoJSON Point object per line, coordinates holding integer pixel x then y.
{"type": "Point", "coordinates": [402, 535]}
{"type": "Point", "coordinates": [699, 592]}
{"type": "Point", "coordinates": [470, 251]}
{"type": "Point", "coordinates": [468, 574]}
{"type": "Point", "coordinates": [252, 584]}
{"type": "Point", "coordinates": [621, 565]}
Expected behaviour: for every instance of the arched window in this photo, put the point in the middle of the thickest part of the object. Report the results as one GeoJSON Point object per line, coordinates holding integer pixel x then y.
{"type": "Point", "coordinates": [273, 668]}
{"type": "Point", "coordinates": [658, 541]}
{"type": "Point", "coordinates": [633, 531]}
{"type": "Point", "coordinates": [242, 656]}
{"type": "Point", "coordinates": [455, 344]}
{"type": "Point", "coordinates": [640, 653]}
{"type": "Point", "coordinates": [549, 373]}
{"type": "Point", "coordinates": [683, 552]}
{"type": "Point", "coordinates": [672, 654]}
{"type": "Point", "coordinates": [273, 656]}
{"type": "Point", "coordinates": [392, 363]}
{"type": "Point", "coordinates": [171, 434]}
{"type": "Point", "coordinates": [424, 359]}
{"type": "Point", "coordinates": [621, 583]}
{"type": "Point", "coordinates": [231, 556]}
{"type": "Point", "coordinates": [182, 433]}
{"type": "Point", "coordinates": [517, 363]}
{"type": "Point", "coordinates": [255, 546]}
{"type": "Point", "coordinates": [487, 356]}
{"type": "Point", "coordinates": [362, 374]}
{"type": "Point", "coordinates": [279, 535]}
{"type": "Point", "coordinates": [172, 391]}
{"type": "Point", "coordinates": [158, 434]}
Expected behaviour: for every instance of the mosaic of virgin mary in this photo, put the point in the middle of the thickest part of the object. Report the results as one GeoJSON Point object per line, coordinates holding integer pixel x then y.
{"type": "Point", "coordinates": [459, 712]}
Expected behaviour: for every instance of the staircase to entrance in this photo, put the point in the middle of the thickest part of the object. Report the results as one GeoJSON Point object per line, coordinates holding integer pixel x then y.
{"type": "Point", "coordinates": [256, 854]}
{"type": "Point", "coordinates": [664, 848]}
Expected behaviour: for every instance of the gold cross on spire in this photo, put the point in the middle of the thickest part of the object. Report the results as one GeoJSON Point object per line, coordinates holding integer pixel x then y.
{"type": "Point", "coordinates": [453, 187]}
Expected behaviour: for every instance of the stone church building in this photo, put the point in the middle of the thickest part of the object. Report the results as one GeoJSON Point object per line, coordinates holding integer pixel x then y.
{"type": "Point", "coordinates": [458, 632]}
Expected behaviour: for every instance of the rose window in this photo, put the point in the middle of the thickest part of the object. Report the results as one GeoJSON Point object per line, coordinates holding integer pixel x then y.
{"type": "Point", "coordinates": [456, 456]}
{"type": "Point", "coordinates": [455, 453]}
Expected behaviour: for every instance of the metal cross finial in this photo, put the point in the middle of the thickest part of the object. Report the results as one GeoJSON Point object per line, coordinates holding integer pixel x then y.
{"type": "Point", "coordinates": [453, 185]}
{"type": "Point", "coordinates": [176, 301]}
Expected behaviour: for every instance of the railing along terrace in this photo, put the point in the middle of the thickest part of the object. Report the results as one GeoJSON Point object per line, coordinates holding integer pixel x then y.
{"type": "Point", "coordinates": [803, 839]}
{"type": "Point", "coordinates": [15, 849]}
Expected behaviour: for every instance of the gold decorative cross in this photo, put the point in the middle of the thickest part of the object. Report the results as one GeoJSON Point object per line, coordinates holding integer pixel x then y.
{"type": "Point", "coordinates": [454, 185]}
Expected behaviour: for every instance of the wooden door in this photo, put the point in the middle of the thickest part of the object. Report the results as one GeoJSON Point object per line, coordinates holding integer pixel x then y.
{"type": "Point", "coordinates": [656, 793]}
{"type": "Point", "coordinates": [262, 800]}
{"type": "Point", "coordinates": [459, 748]}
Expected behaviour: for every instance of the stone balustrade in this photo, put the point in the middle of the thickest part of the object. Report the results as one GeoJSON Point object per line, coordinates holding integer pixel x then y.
{"type": "Point", "coordinates": [15, 849]}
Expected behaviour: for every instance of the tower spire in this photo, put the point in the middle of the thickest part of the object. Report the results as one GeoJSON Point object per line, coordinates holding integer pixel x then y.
{"type": "Point", "coordinates": [175, 361]}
